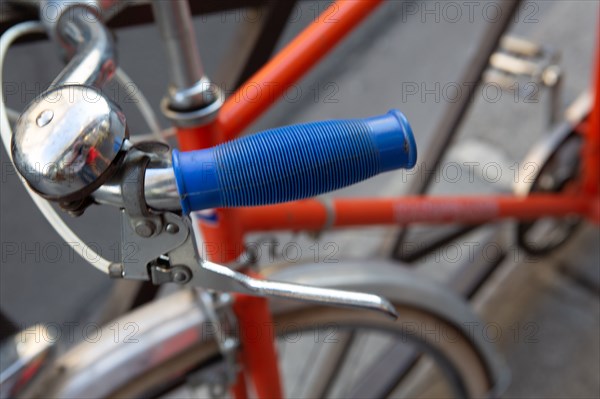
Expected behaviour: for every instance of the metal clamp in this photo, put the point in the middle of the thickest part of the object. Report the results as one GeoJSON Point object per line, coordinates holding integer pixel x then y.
{"type": "Point", "coordinates": [161, 247]}
{"type": "Point", "coordinates": [144, 222]}
{"type": "Point", "coordinates": [162, 258]}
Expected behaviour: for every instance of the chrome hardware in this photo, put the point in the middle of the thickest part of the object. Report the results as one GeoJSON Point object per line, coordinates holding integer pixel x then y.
{"type": "Point", "coordinates": [172, 109]}
{"type": "Point", "coordinates": [79, 29]}
{"type": "Point", "coordinates": [21, 358]}
{"type": "Point", "coordinates": [51, 10]}
{"type": "Point", "coordinates": [159, 185]}
{"type": "Point", "coordinates": [138, 253]}
{"type": "Point", "coordinates": [80, 137]}
{"type": "Point", "coordinates": [160, 190]}
{"type": "Point", "coordinates": [68, 142]}
{"type": "Point", "coordinates": [191, 98]}
{"type": "Point", "coordinates": [144, 221]}
{"type": "Point", "coordinates": [175, 247]}
{"type": "Point", "coordinates": [222, 278]}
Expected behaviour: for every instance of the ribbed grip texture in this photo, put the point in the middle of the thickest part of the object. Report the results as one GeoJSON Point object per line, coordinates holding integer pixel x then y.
{"type": "Point", "coordinates": [295, 162]}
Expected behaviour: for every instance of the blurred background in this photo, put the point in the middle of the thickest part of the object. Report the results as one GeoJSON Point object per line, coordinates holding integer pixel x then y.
{"type": "Point", "coordinates": [403, 57]}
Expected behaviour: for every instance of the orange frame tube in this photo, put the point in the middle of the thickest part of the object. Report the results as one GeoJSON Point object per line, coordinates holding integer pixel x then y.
{"type": "Point", "coordinates": [313, 215]}
{"type": "Point", "coordinates": [242, 108]}
{"type": "Point", "coordinates": [591, 150]}
{"type": "Point", "coordinates": [264, 89]}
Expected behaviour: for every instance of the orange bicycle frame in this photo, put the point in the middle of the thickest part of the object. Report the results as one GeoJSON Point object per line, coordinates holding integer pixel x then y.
{"type": "Point", "coordinates": [225, 237]}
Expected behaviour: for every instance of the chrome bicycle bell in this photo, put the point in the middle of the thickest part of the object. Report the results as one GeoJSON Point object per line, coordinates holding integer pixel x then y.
{"type": "Point", "coordinates": [69, 141]}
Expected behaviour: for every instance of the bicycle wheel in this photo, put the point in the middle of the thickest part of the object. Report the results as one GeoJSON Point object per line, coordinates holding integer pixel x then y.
{"type": "Point", "coordinates": [357, 354]}
{"type": "Point", "coordinates": [557, 174]}
{"type": "Point", "coordinates": [346, 353]}
{"type": "Point", "coordinates": [426, 353]}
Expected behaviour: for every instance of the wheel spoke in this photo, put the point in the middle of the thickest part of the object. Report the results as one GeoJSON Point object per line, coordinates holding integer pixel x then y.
{"type": "Point", "coordinates": [387, 372]}
{"type": "Point", "coordinates": [330, 369]}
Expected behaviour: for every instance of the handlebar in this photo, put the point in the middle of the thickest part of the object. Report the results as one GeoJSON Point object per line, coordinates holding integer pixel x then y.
{"type": "Point", "coordinates": [71, 146]}
{"type": "Point", "coordinates": [293, 162]}
{"type": "Point", "coordinates": [90, 140]}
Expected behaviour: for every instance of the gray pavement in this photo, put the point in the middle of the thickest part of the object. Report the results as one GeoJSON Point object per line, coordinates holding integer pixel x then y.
{"type": "Point", "coordinates": [367, 74]}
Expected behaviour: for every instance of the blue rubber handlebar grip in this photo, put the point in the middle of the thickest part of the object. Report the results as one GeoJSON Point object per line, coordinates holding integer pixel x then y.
{"type": "Point", "coordinates": [293, 162]}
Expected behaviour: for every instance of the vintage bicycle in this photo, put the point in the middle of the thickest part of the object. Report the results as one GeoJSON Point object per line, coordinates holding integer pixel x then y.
{"type": "Point", "coordinates": [83, 138]}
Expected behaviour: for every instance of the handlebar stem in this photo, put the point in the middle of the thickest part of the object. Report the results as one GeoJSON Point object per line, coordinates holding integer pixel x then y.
{"type": "Point", "coordinates": [192, 99]}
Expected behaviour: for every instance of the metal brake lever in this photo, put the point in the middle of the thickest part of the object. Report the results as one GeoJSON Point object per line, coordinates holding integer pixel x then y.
{"type": "Point", "coordinates": [170, 255]}
{"type": "Point", "coordinates": [229, 279]}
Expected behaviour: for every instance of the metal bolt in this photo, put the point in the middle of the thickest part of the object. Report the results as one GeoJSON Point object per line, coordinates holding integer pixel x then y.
{"type": "Point", "coordinates": [172, 228]}
{"type": "Point", "coordinates": [181, 276]}
{"type": "Point", "coordinates": [115, 270]}
{"type": "Point", "coordinates": [44, 118]}
{"type": "Point", "coordinates": [144, 228]}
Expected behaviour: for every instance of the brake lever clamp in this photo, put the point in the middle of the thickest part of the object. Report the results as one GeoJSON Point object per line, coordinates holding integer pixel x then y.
{"type": "Point", "coordinates": [161, 247]}
{"type": "Point", "coordinates": [171, 255]}
{"type": "Point", "coordinates": [143, 220]}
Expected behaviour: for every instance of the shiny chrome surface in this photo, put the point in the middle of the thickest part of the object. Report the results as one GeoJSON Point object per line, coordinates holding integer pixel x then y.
{"type": "Point", "coordinates": [79, 29]}
{"type": "Point", "coordinates": [222, 278]}
{"type": "Point", "coordinates": [67, 139]}
{"type": "Point", "coordinates": [109, 194]}
{"type": "Point", "coordinates": [147, 337]}
{"type": "Point", "coordinates": [179, 244]}
{"type": "Point", "coordinates": [212, 95]}
{"type": "Point", "coordinates": [160, 191]}
{"type": "Point", "coordinates": [219, 277]}
{"type": "Point", "coordinates": [191, 98]}
{"type": "Point", "coordinates": [21, 357]}
{"type": "Point", "coordinates": [177, 32]}
{"type": "Point", "coordinates": [174, 324]}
